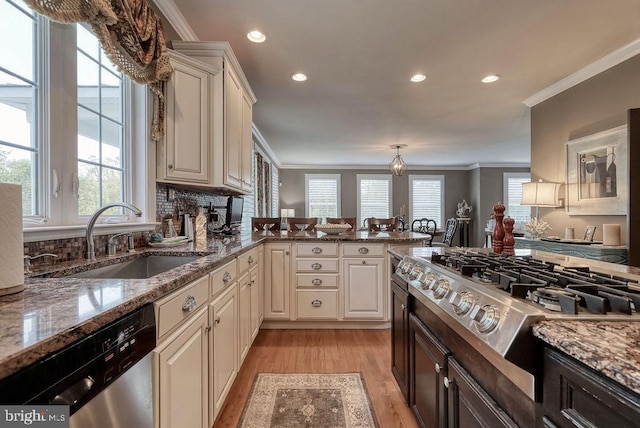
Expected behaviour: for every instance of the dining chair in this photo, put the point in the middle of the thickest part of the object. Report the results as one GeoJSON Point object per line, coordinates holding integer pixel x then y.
{"type": "Point", "coordinates": [351, 221]}
{"type": "Point", "coordinates": [298, 224]}
{"type": "Point", "coordinates": [271, 224]}
{"type": "Point", "coordinates": [425, 225]}
{"type": "Point", "coordinates": [382, 224]}
{"type": "Point", "coordinates": [449, 232]}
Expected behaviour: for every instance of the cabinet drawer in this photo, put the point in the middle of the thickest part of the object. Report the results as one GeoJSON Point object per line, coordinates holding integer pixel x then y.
{"type": "Point", "coordinates": [317, 249]}
{"type": "Point", "coordinates": [306, 280]}
{"type": "Point", "coordinates": [247, 260]}
{"type": "Point", "coordinates": [317, 304]}
{"type": "Point", "coordinates": [363, 250]}
{"type": "Point", "coordinates": [223, 277]}
{"type": "Point", "coordinates": [319, 265]}
{"type": "Point", "coordinates": [171, 310]}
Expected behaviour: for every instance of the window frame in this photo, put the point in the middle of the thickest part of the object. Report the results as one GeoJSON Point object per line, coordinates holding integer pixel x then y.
{"type": "Point", "coordinates": [431, 177]}
{"type": "Point", "coordinates": [334, 177]}
{"type": "Point", "coordinates": [505, 190]}
{"type": "Point", "coordinates": [382, 177]}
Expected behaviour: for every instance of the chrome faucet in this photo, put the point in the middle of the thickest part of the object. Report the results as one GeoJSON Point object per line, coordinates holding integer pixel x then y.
{"type": "Point", "coordinates": [112, 244]}
{"type": "Point", "coordinates": [91, 249]}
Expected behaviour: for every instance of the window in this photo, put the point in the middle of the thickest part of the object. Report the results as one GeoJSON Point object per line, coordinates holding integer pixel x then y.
{"type": "Point", "coordinates": [513, 196]}
{"type": "Point", "coordinates": [426, 198]}
{"type": "Point", "coordinates": [66, 122]}
{"type": "Point", "coordinates": [374, 196]}
{"type": "Point", "coordinates": [322, 195]}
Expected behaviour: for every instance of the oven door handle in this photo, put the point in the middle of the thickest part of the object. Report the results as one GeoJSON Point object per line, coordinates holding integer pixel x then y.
{"type": "Point", "coordinates": [75, 392]}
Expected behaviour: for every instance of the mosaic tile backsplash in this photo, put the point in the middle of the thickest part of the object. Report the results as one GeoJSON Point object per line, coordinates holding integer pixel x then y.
{"type": "Point", "coordinates": [187, 201]}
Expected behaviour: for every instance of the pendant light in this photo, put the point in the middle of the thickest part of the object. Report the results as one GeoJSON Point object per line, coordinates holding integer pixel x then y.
{"type": "Point", "coordinates": [398, 165]}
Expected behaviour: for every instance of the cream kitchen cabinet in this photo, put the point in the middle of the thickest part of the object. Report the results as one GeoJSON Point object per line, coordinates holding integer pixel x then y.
{"type": "Point", "coordinates": [317, 281]}
{"type": "Point", "coordinates": [363, 276]}
{"type": "Point", "coordinates": [277, 280]}
{"type": "Point", "coordinates": [257, 304]}
{"type": "Point", "coordinates": [260, 281]}
{"type": "Point", "coordinates": [244, 302]}
{"type": "Point", "coordinates": [184, 157]}
{"type": "Point", "coordinates": [232, 115]}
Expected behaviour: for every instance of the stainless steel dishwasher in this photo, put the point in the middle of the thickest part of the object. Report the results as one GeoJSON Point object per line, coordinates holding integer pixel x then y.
{"type": "Point", "coordinates": [104, 378]}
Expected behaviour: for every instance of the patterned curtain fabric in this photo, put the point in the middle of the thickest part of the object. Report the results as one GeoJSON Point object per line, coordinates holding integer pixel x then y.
{"type": "Point", "coordinates": [131, 35]}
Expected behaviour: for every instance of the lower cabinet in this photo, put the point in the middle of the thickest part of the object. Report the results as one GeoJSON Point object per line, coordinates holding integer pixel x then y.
{"type": "Point", "coordinates": [574, 395]}
{"type": "Point", "coordinates": [364, 288]}
{"type": "Point", "coordinates": [428, 371]}
{"type": "Point", "coordinates": [244, 305]}
{"type": "Point", "coordinates": [257, 304]}
{"type": "Point", "coordinates": [181, 363]}
{"type": "Point", "coordinates": [400, 337]}
{"type": "Point", "coordinates": [277, 273]}
{"type": "Point", "coordinates": [469, 405]}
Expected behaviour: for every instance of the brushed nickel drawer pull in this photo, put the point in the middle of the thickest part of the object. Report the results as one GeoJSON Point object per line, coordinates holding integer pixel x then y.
{"type": "Point", "coordinates": [316, 303]}
{"type": "Point", "coordinates": [226, 277]}
{"type": "Point", "coordinates": [316, 281]}
{"type": "Point", "coordinates": [189, 304]}
{"type": "Point", "coordinates": [316, 266]}
{"type": "Point", "coordinates": [363, 250]}
{"type": "Point", "coordinates": [317, 250]}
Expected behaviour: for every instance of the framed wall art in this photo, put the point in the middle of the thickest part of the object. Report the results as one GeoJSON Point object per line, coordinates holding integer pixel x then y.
{"type": "Point", "coordinates": [588, 233]}
{"type": "Point", "coordinates": [597, 179]}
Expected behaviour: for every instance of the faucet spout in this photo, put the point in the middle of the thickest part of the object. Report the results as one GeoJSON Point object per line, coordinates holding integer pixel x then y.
{"type": "Point", "coordinates": [91, 249]}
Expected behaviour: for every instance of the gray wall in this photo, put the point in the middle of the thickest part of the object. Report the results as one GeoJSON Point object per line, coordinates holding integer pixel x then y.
{"type": "Point", "coordinates": [595, 105]}
{"type": "Point", "coordinates": [481, 187]}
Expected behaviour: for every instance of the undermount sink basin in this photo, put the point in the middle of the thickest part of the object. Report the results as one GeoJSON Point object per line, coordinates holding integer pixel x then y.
{"type": "Point", "coordinates": [142, 268]}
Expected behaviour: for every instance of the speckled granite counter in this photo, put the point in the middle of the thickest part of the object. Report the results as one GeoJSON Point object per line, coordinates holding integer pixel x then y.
{"type": "Point", "coordinates": [55, 311]}
{"type": "Point", "coordinates": [610, 347]}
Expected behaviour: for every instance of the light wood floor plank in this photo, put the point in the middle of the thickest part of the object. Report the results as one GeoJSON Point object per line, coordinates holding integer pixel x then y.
{"type": "Point", "coordinates": [323, 351]}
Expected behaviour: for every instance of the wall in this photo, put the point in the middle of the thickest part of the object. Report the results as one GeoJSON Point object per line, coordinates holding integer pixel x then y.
{"type": "Point", "coordinates": [595, 105]}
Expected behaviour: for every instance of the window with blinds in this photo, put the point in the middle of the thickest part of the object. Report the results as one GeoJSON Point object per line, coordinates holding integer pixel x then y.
{"type": "Point", "coordinates": [513, 196]}
{"type": "Point", "coordinates": [374, 196]}
{"type": "Point", "coordinates": [426, 198]}
{"type": "Point", "coordinates": [322, 195]}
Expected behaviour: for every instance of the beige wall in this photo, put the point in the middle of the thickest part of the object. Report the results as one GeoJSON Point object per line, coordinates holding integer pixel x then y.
{"type": "Point", "coordinates": [595, 105]}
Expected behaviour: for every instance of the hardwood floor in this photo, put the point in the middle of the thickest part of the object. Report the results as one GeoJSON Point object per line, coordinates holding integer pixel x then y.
{"type": "Point", "coordinates": [323, 351]}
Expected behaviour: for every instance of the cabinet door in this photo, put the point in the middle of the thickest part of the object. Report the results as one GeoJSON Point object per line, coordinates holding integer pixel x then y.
{"type": "Point", "coordinates": [261, 286]}
{"type": "Point", "coordinates": [277, 280]}
{"type": "Point", "coordinates": [363, 281]}
{"type": "Point", "coordinates": [427, 368]}
{"type": "Point", "coordinates": [469, 405]}
{"type": "Point", "coordinates": [233, 129]}
{"type": "Point", "coordinates": [400, 338]}
{"type": "Point", "coordinates": [244, 303]}
{"type": "Point", "coordinates": [247, 143]}
{"type": "Point", "coordinates": [256, 304]}
{"type": "Point", "coordinates": [182, 367]}
{"type": "Point", "coordinates": [187, 125]}
{"type": "Point", "coordinates": [224, 348]}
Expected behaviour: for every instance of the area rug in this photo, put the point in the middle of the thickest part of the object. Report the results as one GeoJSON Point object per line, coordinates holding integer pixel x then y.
{"type": "Point", "coordinates": [286, 400]}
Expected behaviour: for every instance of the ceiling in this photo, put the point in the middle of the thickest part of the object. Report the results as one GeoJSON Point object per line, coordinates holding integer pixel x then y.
{"type": "Point", "coordinates": [360, 54]}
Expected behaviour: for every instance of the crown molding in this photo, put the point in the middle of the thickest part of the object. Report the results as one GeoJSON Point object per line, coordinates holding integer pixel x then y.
{"type": "Point", "coordinates": [176, 19]}
{"type": "Point", "coordinates": [606, 62]}
{"type": "Point", "coordinates": [264, 145]}
{"type": "Point", "coordinates": [411, 167]}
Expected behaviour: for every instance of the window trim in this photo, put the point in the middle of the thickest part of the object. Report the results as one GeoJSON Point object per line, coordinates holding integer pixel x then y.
{"type": "Point", "coordinates": [336, 177]}
{"type": "Point", "coordinates": [385, 177]}
{"type": "Point", "coordinates": [435, 177]}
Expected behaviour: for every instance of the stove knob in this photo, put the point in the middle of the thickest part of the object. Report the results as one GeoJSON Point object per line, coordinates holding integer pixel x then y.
{"type": "Point", "coordinates": [428, 281]}
{"type": "Point", "coordinates": [441, 289]}
{"type": "Point", "coordinates": [486, 318]}
{"type": "Point", "coordinates": [415, 272]}
{"type": "Point", "coordinates": [462, 302]}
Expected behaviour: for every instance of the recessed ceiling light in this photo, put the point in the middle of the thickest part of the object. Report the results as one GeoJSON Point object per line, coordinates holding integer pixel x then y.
{"type": "Point", "coordinates": [256, 36]}
{"type": "Point", "coordinates": [491, 78]}
{"type": "Point", "coordinates": [299, 77]}
{"type": "Point", "coordinates": [418, 78]}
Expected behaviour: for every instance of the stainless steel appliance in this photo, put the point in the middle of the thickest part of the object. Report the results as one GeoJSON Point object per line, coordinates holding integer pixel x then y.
{"type": "Point", "coordinates": [480, 308]}
{"type": "Point", "coordinates": [105, 378]}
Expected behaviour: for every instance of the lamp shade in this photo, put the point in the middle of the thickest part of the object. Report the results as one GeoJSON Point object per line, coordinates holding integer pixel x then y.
{"type": "Point", "coordinates": [283, 212]}
{"type": "Point", "coordinates": [541, 194]}
{"type": "Point", "coordinates": [291, 212]}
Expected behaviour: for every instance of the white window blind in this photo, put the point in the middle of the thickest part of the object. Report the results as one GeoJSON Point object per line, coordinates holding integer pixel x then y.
{"type": "Point", "coordinates": [374, 196]}
{"type": "Point", "coordinates": [275, 191]}
{"type": "Point", "coordinates": [322, 195]}
{"type": "Point", "coordinates": [426, 198]}
{"type": "Point", "coordinates": [513, 196]}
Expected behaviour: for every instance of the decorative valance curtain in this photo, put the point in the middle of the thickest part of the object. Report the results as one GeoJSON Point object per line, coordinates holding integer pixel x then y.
{"type": "Point", "coordinates": [131, 35]}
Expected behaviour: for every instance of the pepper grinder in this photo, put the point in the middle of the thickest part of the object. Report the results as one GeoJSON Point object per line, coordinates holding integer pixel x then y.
{"type": "Point", "coordinates": [498, 230]}
{"type": "Point", "coordinates": [509, 241]}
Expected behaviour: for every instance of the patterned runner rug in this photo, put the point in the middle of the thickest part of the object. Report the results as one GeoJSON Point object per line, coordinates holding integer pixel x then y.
{"type": "Point", "coordinates": [285, 400]}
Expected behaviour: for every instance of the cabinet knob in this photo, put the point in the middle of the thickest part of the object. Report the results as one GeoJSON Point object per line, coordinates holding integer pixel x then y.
{"type": "Point", "coordinates": [316, 266]}
{"type": "Point", "coordinates": [316, 281]}
{"type": "Point", "coordinates": [437, 368]}
{"type": "Point", "coordinates": [189, 304]}
{"type": "Point", "coordinates": [446, 382]}
{"type": "Point", "coordinates": [364, 262]}
{"type": "Point", "coordinates": [316, 303]}
{"type": "Point", "coordinates": [170, 166]}
{"type": "Point", "coordinates": [208, 329]}
{"type": "Point", "coordinates": [317, 250]}
{"type": "Point", "coordinates": [403, 306]}
{"type": "Point", "coordinates": [226, 277]}
{"type": "Point", "coordinates": [363, 250]}
{"type": "Point", "coordinates": [217, 320]}
{"type": "Point", "coordinates": [250, 260]}
{"type": "Point", "coordinates": [286, 253]}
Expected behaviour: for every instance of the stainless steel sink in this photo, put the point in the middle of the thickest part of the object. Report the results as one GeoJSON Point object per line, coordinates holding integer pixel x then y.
{"type": "Point", "coordinates": [144, 267]}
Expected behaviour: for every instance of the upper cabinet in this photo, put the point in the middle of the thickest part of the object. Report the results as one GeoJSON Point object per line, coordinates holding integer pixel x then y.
{"type": "Point", "coordinates": [230, 112]}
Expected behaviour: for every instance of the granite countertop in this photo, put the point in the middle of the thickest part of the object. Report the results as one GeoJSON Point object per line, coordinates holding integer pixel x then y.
{"type": "Point", "coordinates": [609, 347]}
{"type": "Point", "coordinates": [54, 311]}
